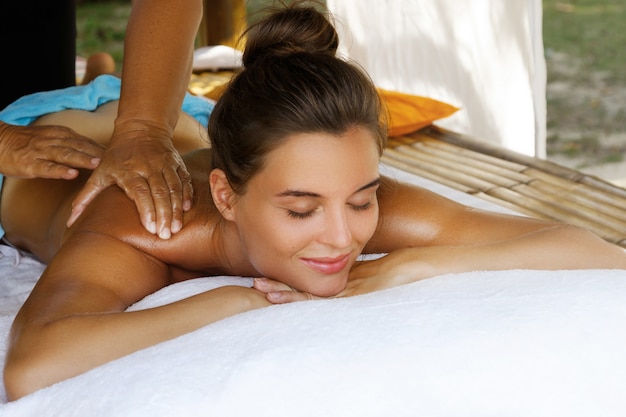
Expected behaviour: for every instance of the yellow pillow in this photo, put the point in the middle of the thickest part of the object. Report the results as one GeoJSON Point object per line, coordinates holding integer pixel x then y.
{"type": "Point", "coordinates": [408, 113]}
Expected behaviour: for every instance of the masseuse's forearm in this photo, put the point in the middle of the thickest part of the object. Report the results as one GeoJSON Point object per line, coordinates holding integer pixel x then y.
{"type": "Point", "coordinates": [51, 352]}
{"type": "Point", "coordinates": [158, 53]}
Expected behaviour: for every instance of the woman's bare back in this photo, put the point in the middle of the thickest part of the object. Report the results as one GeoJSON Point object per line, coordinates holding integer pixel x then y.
{"type": "Point", "coordinates": [34, 212]}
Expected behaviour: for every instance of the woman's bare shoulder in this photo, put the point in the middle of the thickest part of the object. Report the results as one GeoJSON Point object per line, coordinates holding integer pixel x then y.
{"type": "Point", "coordinates": [113, 215]}
{"type": "Point", "coordinates": [412, 216]}
{"type": "Point", "coordinates": [409, 216]}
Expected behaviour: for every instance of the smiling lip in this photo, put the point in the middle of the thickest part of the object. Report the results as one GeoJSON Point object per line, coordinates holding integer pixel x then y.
{"type": "Point", "coordinates": [327, 265]}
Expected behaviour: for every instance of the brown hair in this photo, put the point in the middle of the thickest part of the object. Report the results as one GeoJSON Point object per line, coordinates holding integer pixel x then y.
{"type": "Point", "coordinates": [292, 82]}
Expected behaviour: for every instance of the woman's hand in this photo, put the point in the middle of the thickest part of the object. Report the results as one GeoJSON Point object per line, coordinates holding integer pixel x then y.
{"type": "Point", "coordinates": [397, 268]}
{"type": "Point", "coordinates": [278, 293]}
{"type": "Point", "coordinates": [400, 267]}
{"type": "Point", "coordinates": [46, 152]}
{"type": "Point", "coordinates": [143, 162]}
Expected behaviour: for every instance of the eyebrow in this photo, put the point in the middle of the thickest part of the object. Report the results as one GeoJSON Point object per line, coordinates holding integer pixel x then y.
{"type": "Point", "coordinates": [298, 193]}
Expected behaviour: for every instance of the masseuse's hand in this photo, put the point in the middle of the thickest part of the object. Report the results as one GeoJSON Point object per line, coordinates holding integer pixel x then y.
{"type": "Point", "coordinates": [143, 162]}
{"type": "Point", "coordinates": [45, 152]}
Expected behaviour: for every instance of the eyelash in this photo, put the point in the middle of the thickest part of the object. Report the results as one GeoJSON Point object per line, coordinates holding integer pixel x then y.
{"type": "Point", "coordinates": [362, 207]}
{"type": "Point", "coordinates": [301, 216]}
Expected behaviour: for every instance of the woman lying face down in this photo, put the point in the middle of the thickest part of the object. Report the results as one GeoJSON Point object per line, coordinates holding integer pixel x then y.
{"type": "Point", "coordinates": [289, 192]}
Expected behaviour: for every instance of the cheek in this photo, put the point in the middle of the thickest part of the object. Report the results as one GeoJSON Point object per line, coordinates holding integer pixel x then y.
{"type": "Point", "coordinates": [271, 241]}
{"type": "Point", "coordinates": [365, 225]}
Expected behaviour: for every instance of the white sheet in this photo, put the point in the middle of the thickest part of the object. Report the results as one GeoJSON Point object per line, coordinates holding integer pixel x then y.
{"type": "Point", "coordinates": [515, 343]}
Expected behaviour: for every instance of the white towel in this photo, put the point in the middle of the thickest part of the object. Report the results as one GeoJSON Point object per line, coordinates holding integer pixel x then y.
{"type": "Point", "coordinates": [514, 343]}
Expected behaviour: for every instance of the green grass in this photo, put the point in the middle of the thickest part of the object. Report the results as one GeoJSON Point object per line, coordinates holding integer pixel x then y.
{"type": "Point", "coordinates": [101, 27]}
{"type": "Point", "coordinates": [585, 44]}
{"type": "Point", "coordinates": [590, 30]}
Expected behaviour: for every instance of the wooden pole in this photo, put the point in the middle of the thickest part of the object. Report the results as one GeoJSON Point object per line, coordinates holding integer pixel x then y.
{"type": "Point", "coordinates": [223, 22]}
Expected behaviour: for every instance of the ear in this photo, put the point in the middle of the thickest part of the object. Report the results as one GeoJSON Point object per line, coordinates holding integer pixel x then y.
{"type": "Point", "coordinates": [222, 193]}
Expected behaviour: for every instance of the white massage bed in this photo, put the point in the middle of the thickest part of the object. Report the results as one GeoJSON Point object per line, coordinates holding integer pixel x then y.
{"type": "Point", "coordinates": [513, 343]}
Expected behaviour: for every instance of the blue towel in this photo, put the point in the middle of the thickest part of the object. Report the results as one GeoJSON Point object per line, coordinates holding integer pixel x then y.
{"type": "Point", "coordinates": [103, 89]}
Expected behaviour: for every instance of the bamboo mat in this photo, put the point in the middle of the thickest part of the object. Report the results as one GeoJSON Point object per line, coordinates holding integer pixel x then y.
{"type": "Point", "coordinates": [209, 84]}
{"type": "Point", "coordinates": [531, 186]}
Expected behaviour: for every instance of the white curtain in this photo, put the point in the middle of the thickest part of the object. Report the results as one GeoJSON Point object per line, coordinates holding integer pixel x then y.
{"type": "Point", "coordinates": [485, 56]}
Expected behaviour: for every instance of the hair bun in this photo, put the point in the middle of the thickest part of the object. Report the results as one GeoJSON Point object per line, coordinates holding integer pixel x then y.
{"type": "Point", "coordinates": [291, 30]}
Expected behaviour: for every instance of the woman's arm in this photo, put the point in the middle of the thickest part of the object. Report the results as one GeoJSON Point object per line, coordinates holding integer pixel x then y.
{"type": "Point", "coordinates": [74, 319]}
{"type": "Point", "coordinates": [551, 248]}
{"type": "Point", "coordinates": [428, 235]}
{"type": "Point", "coordinates": [412, 216]}
{"type": "Point", "coordinates": [559, 247]}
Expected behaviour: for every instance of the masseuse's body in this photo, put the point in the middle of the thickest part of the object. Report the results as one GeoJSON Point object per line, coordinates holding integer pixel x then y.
{"type": "Point", "coordinates": [291, 192]}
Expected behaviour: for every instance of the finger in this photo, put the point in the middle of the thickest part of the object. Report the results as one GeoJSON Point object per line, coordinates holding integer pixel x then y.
{"type": "Point", "coordinates": [284, 297]}
{"type": "Point", "coordinates": [268, 285]}
{"type": "Point", "coordinates": [139, 190]}
{"type": "Point", "coordinates": [161, 203]}
{"type": "Point", "coordinates": [50, 170]}
{"type": "Point", "coordinates": [85, 196]}
{"type": "Point", "coordinates": [72, 158]}
{"type": "Point", "coordinates": [176, 199]}
{"type": "Point", "coordinates": [185, 179]}
{"type": "Point", "coordinates": [63, 137]}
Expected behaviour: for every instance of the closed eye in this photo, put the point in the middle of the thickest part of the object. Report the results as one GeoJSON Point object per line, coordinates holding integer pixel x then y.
{"type": "Point", "coordinates": [298, 215]}
{"type": "Point", "coordinates": [361, 207]}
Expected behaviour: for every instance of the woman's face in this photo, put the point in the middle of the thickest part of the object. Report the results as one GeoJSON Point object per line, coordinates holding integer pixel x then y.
{"type": "Point", "coordinates": [306, 216]}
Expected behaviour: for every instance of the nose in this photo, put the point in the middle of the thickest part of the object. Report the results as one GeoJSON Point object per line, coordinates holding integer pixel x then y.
{"type": "Point", "coordinates": [336, 231]}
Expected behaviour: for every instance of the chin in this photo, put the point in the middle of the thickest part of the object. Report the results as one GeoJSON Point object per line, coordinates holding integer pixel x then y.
{"type": "Point", "coordinates": [328, 289]}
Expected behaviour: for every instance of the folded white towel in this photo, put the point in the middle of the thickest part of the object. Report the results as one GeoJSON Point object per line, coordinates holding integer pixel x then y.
{"type": "Point", "coordinates": [216, 57]}
{"type": "Point", "coordinates": [514, 343]}
{"type": "Point", "coordinates": [522, 343]}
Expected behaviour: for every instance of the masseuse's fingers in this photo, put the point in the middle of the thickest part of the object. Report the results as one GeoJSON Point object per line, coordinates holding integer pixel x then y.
{"type": "Point", "coordinates": [279, 293]}
{"type": "Point", "coordinates": [83, 198]}
{"type": "Point", "coordinates": [75, 151]}
{"type": "Point", "coordinates": [46, 152]}
{"type": "Point", "coordinates": [143, 162]}
{"type": "Point", "coordinates": [180, 194]}
{"type": "Point", "coordinates": [136, 187]}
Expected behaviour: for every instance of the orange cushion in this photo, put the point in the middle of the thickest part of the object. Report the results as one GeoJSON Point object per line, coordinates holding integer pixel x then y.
{"type": "Point", "coordinates": [405, 113]}
{"type": "Point", "coordinates": [408, 113]}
